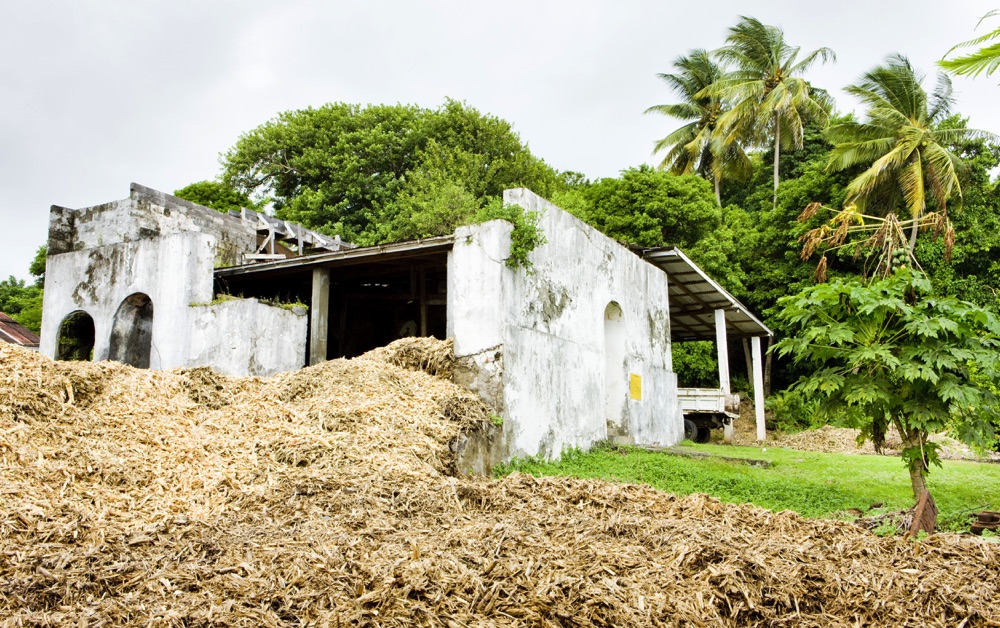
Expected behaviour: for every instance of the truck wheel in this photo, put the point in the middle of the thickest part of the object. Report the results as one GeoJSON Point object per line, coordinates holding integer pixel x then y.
{"type": "Point", "coordinates": [690, 430]}
{"type": "Point", "coordinates": [704, 435]}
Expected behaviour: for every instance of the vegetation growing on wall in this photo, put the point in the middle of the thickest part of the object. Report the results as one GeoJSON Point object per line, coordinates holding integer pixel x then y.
{"type": "Point", "coordinates": [524, 238]}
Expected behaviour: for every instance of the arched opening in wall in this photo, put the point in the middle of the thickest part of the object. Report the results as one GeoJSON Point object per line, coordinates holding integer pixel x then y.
{"type": "Point", "coordinates": [76, 337]}
{"type": "Point", "coordinates": [132, 331]}
{"type": "Point", "coordinates": [615, 380]}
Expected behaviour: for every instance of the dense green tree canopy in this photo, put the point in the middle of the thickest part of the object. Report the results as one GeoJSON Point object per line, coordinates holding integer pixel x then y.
{"type": "Point", "coordinates": [373, 173]}
{"type": "Point", "coordinates": [22, 301]}
{"type": "Point", "coordinates": [651, 208]}
{"type": "Point", "coordinates": [216, 195]}
{"type": "Point", "coordinates": [973, 272]}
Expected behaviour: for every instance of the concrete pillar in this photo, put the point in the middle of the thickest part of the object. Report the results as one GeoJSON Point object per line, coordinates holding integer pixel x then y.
{"type": "Point", "coordinates": [319, 315]}
{"type": "Point", "coordinates": [423, 301]}
{"type": "Point", "coordinates": [723, 348]}
{"type": "Point", "coordinates": [758, 388]}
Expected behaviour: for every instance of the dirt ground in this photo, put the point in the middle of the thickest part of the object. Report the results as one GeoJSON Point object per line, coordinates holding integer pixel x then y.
{"type": "Point", "coordinates": [329, 497]}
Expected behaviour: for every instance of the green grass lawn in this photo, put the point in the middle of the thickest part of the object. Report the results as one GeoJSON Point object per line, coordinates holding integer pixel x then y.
{"type": "Point", "coordinates": [812, 484]}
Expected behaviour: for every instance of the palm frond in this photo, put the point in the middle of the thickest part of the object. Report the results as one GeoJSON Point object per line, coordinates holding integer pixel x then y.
{"type": "Point", "coordinates": [848, 155]}
{"type": "Point", "coordinates": [682, 135]}
{"type": "Point", "coordinates": [866, 182]}
{"type": "Point", "coordinates": [986, 59]}
{"type": "Point", "coordinates": [826, 55]}
{"type": "Point", "coordinates": [945, 166]}
{"type": "Point", "coordinates": [682, 111]}
{"type": "Point", "coordinates": [942, 99]}
{"type": "Point", "coordinates": [946, 136]}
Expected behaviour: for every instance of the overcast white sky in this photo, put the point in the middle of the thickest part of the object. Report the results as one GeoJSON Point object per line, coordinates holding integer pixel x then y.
{"type": "Point", "coordinates": [97, 94]}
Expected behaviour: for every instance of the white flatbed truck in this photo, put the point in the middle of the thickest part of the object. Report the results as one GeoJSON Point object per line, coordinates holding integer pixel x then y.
{"type": "Point", "coordinates": [706, 408]}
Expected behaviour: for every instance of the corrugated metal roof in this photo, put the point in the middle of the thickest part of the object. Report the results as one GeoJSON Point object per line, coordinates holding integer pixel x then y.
{"type": "Point", "coordinates": [694, 297]}
{"type": "Point", "coordinates": [13, 332]}
{"type": "Point", "coordinates": [359, 255]}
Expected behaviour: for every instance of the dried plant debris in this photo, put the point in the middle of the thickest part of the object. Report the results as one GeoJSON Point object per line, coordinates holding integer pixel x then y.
{"type": "Point", "coordinates": [325, 497]}
{"type": "Point", "coordinates": [436, 357]}
{"type": "Point", "coordinates": [844, 440]}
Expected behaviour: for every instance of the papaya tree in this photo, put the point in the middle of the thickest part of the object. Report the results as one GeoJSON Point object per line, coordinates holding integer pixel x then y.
{"type": "Point", "coordinates": [890, 353]}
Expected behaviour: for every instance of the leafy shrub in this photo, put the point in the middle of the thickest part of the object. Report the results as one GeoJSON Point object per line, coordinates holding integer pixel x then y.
{"type": "Point", "coordinates": [696, 364]}
{"type": "Point", "coordinates": [792, 411]}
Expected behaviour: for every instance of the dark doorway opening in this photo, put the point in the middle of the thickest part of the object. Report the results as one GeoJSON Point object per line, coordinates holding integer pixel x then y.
{"type": "Point", "coordinates": [371, 309]}
{"type": "Point", "coordinates": [76, 337]}
{"type": "Point", "coordinates": [373, 300]}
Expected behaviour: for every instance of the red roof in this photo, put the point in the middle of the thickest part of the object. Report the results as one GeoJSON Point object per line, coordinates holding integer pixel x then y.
{"type": "Point", "coordinates": [16, 333]}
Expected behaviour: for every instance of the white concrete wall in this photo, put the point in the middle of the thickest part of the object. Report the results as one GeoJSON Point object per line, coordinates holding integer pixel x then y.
{"type": "Point", "coordinates": [145, 215]}
{"type": "Point", "coordinates": [549, 324]}
{"type": "Point", "coordinates": [173, 271]}
{"type": "Point", "coordinates": [167, 249]}
{"type": "Point", "coordinates": [247, 337]}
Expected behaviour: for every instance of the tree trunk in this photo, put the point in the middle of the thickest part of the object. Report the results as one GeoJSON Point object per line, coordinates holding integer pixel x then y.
{"type": "Point", "coordinates": [918, 481]}
{"type": "Point", "coordinates": [914, 229]}
{"type": "Point", "coordinates": [924, 516]}
{"type": "Point", "coordinates": [777, 144]}
{"type": "Point", "coordinates": [925, 512]}
{"type": "Point", "coordinates": [718, 193]}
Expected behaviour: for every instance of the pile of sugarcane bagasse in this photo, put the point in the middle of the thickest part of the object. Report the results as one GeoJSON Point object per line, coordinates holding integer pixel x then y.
{"type": "Point", "coordinates": [330, 496]}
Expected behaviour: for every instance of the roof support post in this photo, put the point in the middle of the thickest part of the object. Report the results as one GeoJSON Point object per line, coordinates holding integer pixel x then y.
{"type": "Point", "coordinates": [722, 346]}
{"type": "Point", "coordinates": [319, 315]}
{"type": "Point", "coordinates": [758, 389]}
{"type": "Point", "coordinates": [423, 301]}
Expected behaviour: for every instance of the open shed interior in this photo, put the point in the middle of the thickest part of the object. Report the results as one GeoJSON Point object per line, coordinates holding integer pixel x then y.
{"type": "Point", "coordinates": [375, 296]}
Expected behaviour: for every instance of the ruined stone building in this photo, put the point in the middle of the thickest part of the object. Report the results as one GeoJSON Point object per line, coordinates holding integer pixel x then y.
{"type": "Point", "coordinates": [567, 353]}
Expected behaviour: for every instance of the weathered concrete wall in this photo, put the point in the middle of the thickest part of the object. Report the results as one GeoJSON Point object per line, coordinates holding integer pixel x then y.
{"type": "Point", "coordinates": [173, 271]}
{"type": "Point", "coordinates": [476, 311]}
{"type": "Point", "coordinates": [148, 214]}
{"type": "Point", "coordinates": [247, 337]}
{"type": "Point", "coordinates": [549, 327]}
{"type": "Point", "coordinates": [167, 249]}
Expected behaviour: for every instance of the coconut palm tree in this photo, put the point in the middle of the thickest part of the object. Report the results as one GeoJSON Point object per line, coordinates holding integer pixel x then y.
{"type": "Point", "coordinates": [986, 59]}
{"type": "Point", "coordinates": [771, 100]}
{"type": "Point", "coordinates": [905, 151]}
{"type": "Point", "coordinates": [694, 146]}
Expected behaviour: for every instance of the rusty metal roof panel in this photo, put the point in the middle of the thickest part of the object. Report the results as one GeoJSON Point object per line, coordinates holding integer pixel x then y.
{"type": "Point", "coordinates": [13, 332]}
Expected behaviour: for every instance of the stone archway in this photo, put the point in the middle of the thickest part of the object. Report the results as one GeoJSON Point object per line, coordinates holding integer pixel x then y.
{"type": "Point", "coordinates": [132, 331]}
{"type": "Point", "coordinates": [615, 378]}
{"type": "Point", "coordinates": [76, 337]}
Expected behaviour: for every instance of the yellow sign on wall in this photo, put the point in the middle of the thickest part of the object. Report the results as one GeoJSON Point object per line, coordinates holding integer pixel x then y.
{"type": "Point", "coordinates": [635, 386]}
